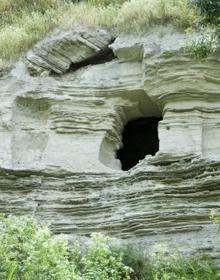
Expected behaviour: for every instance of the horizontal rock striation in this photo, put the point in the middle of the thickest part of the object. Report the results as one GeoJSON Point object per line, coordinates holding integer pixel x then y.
{"type": "Point", "coordinates": [168, 203]}
{"type": "Point", "coordinates": [59, 138]}
{"type": "Point", "coordinates": [62, 49]}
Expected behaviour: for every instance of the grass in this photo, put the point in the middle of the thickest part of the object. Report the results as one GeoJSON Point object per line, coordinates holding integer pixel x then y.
{"type": "Point", "coordinates": [139, 15]}
{"type": "Point", "coordinates": [24, 22]}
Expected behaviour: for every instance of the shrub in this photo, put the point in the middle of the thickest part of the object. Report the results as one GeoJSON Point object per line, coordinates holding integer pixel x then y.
{"type": "Point", "coordinates": [205, 46]}
{"type": "Point", "coordinates": [102, 262]}
{"type": "Point", "coordinates": [134, 257]}
{"type": "Point", "coordinates": [175, 267]}
{"type": "Point", "coordinates": [28, 251]}
{"type": "Point", "coordinates": [209, 26]}
{"type": "Point", "coordinates": [209, 10]}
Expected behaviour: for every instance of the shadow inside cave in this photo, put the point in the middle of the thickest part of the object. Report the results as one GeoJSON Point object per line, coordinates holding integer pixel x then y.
{"type": "Point", "coordinates": [139, 138]}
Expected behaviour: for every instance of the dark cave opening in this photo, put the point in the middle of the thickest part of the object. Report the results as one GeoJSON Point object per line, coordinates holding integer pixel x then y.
{"type": "Point", "coordinates": [103, 56]}
{"type": "Point", "coordinates": [139, 138]}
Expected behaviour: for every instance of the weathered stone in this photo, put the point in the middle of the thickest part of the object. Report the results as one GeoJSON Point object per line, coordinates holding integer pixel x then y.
{"type": "Point", "coordinates": [57, 52]}
{"type": "Point", "coordinates": [128, 48]}
{"type": "Point", "coordinates": [59, 138]}
{"type": "Point", "coordinates": [188, 96]}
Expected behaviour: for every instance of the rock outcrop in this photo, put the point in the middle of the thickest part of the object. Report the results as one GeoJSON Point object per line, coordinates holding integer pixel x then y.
{"type": "Point", "coordinates": [59, 137]}
{"type": "Point", "coordinates": [63, 49]}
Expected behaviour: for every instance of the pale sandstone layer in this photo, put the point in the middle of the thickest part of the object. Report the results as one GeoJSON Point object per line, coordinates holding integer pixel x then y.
{"type": "Point", "coordinates": [59, 137]}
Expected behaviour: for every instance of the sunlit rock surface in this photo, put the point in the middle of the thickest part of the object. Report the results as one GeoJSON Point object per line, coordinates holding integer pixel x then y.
{"type": "Point", "coordinates": [59, 137]}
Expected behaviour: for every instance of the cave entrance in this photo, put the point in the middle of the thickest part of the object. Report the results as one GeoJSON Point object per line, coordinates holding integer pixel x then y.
{"type": "Point", "coordinates": [139, 138]}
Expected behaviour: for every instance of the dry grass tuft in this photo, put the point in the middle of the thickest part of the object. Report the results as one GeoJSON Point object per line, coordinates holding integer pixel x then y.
{"type": "Point", "coordinates": [139, 15]}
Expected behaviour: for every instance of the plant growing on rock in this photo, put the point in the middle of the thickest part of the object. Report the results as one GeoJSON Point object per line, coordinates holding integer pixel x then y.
{"type": "Point", "coordinates": [209, 25]}
{"type": "Point", "coordinates": [206, 45]}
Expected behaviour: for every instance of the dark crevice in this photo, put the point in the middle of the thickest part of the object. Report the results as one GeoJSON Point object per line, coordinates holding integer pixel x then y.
{"type": "Point", "coordinates": [103, 56]}
{"type": "Point", "coordinates": [140, 138]}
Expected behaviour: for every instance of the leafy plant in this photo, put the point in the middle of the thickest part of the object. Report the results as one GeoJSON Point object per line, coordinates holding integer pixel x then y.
{"type": "Point", "coordinates": [102, 262]}
{"type": "Point", "coordinates": [205, 46]}
{"type": "Point", "coordinates": [167, 266]}
{"type": "Point", "coordinates": [208, 24]}
{"type": "Point", "coordinates": [209, 10]}
{"type": "Point", "coordinates": [28, 251]}
{"type": "Point", "coordinates": [141, 265]}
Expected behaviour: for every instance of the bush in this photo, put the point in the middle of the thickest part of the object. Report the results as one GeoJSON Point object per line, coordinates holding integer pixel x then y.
{"type": "Point", "coordinates": [209, 26]}
{"type": "Point", "coordinates": [205, 46]}
{"type": "Point", "coordinates": [28, 251]}
{"type": "Point", "coordinates": [141, 265]}
{"type": "Point", "coordinates": [168, 266]}
{"type": "Point", "coordinates": [102, 262]}
{"type": "Point", "coordinates": [209, 10]}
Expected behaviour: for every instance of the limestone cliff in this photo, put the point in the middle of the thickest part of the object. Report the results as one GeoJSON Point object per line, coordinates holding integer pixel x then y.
{"type": "Point", "coordinates": [60, 134]}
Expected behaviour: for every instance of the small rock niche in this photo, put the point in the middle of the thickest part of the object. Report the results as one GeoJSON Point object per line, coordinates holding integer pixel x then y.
{"type": "Point", "coordinates": [139, 138]}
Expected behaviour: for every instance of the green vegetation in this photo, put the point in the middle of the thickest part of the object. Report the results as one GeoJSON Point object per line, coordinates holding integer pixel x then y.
{"type": "Point", "coordinates": [24, 22]}
{"type": "Point", "coordinates": [205, 46]}
{"type": "Point", "coordinates": [28, 251]}
{"type": "Point", "coordinates": [209, 10]}
{"type": "Point", "coordinates": [177, 267]}
{"type": "Point", "coordinates": [209, 26]}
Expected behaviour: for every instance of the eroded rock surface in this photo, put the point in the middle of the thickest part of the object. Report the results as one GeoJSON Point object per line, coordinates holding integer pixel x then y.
{"type": "Point", "coordinates": [59, 138]}
{"type": "Point", "coordinates": [62, 49]}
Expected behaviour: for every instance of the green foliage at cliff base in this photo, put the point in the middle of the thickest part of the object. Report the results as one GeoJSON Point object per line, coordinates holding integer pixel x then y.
{"type": "Point", "coordinates": [28, 251]}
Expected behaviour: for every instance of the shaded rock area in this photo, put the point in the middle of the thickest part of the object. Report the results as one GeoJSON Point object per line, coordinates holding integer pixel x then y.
{"type": "Point", "coordinates": [60, 136]}
{"type": "Point", "coordinates": [139, 138]}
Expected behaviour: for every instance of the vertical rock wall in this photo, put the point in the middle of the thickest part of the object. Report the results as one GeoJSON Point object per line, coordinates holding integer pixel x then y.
{"type": "Point", "coordinates": [59, 137]}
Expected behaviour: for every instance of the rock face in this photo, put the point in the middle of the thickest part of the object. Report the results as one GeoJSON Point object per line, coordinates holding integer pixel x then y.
{"type": "Point", "coordinates": [59, 138]}
{"type": "Point", "coordinates": [62, 49]}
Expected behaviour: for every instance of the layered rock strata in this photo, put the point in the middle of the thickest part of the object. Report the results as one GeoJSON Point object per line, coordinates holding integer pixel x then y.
{"type": "Point", "coordinates": [59, 137]}
{"type": "Point", "coordinates": [63, 49]}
